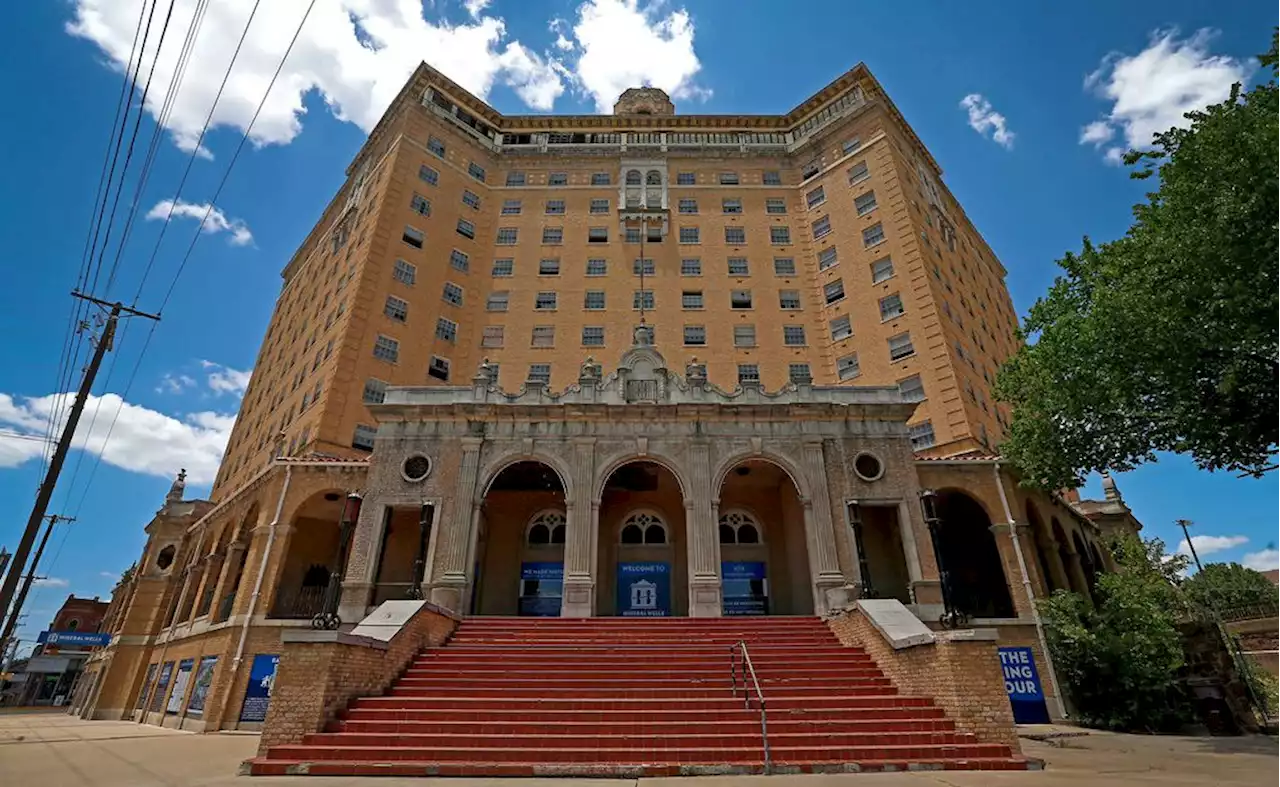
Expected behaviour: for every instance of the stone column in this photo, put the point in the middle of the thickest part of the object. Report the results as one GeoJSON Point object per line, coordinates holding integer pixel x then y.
{"type": "Point", "coordinates": [701, 517]}
{"type": "Point", "coordinates": [1057, 571]}
{"type": "Point", "coordinates": [579, 574]}
{"type": "Point", "coordinates": [1009, 561]}
{"type": "Point", "coordinates": [824, 565]}
{"type": "Point", "coordinates": [1079, 582]}
{"type": "Point", "coordinates": [910, 550]}
{"type": "Point", "coordinates": [450, 579]}
{"type": "Point", "coordinates": [359, 576]}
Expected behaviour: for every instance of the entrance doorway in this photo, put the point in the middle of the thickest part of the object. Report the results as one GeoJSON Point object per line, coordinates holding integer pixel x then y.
{"type": "Point", "coordinates": [764, 561]}
{"type": "Point", "coordinates": [520, 554]}
{"type": "Point", "coordinates": [642, 543]}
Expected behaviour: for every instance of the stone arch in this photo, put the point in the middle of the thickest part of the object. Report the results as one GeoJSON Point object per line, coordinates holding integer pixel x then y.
{"type": "Point", "coordinates": [1070, 560]}
{"type": "Point", "coordinates": [634, 177]}
{"type": "Point", "coordinates": [653, 178]}
{"type": "Point", "coordinates": [1046, 550]}
{"type": "Point", "coordinates": [236, 556]}
{"type": "Point", "coordinates": [632, 563]}
{"type": "Point", "coordinates": [524, 522]}
{"type": "Point", "coordinates": [778, 460]}
{"type": "Point", "coordinates": [971, 557]}
{"type": "Point", "coordinates": [1086, 561]}
{"type": "Point", "coordinates": [662, 460]}
{"type": "Point", "coordinates": [498, 465]}
{"type": "Point", "coordinates": [311, 554]}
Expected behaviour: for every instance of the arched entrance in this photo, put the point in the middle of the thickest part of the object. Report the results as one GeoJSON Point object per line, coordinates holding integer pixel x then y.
{"type": "Point", "coordinates": [520, 554]}
{"type": "Point", "coordinates": [971, 557]}
{"type": "Point", "coordinates": [1051, 571]}
{"type": "Point", "coordinates": [310, 558]}
{"type": "Point", "coordinates": [233, 566]}
{"type": "Point", "coordinates": [1086, 561]}
{"type": "Point", "coordinates": [1070, 561]}
{"type": "Point", "coordinates": [641, 558]}
{"type": "Point", "coordinates": [764, 561]}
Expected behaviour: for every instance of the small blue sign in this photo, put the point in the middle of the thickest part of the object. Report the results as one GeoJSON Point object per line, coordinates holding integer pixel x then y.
{"type": "Point", "coordinates": [541, 588]}
{"type": "Point", "coordinates": [644, 590]}
{"type": "Point", "coordinates": [742, 585]}
{"type": "Point", "coordinates": [72, 639]}
{"type": "Point", "coordinates": [257, 695]}
{"type": "Point", "coordinates": [1022, 682]}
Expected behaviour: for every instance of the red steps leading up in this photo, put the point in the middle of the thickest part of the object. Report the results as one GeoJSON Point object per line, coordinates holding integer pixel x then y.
{"type": "Point", "coordinates": [635, 697]}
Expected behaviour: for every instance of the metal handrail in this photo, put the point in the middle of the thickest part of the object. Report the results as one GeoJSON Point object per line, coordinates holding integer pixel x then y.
{"type": "Point", "coordinates": [749, 670]}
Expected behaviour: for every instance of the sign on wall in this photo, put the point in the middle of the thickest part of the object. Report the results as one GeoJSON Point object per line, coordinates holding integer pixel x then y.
{"type": "Point", "coordinates": [69, 639]}
{"type": "Point", "coordinates": [1022, 682]}
{"type": "Point", "coordinates": [744, 588]}
{"type": "Point", "coordinates": [146, 685]}
{"type": "Point", "coordinates": [180, 683]}
{"type": "Point", "coordinates": [541, 589]}
{"type": "Point", "coordinates": [162, 685]}
{"type": "Point", "coordinates": [200, 692]}
{"type": "Point", "coordinates": [257, 695]}
{"type": "Point", "coordinates": [644, 590]}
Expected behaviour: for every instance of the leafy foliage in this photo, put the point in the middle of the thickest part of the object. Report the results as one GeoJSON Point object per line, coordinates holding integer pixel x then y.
{"type": "Point", "coordinates": [1166, 339]}
{"type": "Point", "coordinates": [1227, 586]}
{"type": "Point", "coordinates": [1119, 659]}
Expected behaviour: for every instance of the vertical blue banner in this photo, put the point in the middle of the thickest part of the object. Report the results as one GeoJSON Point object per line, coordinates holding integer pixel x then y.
{"type": "Point", "coordinates": [541, 589]}
{"type": "Point", "coordinates": [162, 686]}
{"type": "Point", "coordinates": [204, 679]}
{"type": "Point", "coordinates": [257, 695]}
{"type": "Point", "coordinates": [742, 588]}
{"type": "Point", "coordinates": [644, 590]}
{"type": "Point", "coordinates": [1022, 682]}
{"type": "Point", "coordinates": [180, 682]}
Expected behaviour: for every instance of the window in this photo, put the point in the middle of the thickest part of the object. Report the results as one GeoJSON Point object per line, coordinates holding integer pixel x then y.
{"type": "Point", "coordinates": [872, 236]}
{"type": "Point", "coordinates": [811, 169]}
{"type": "Point", "coordinates": [552, 236]}
{"type": "Point", "coordinates": [493, 335]}
{"type": "Point", "coordinates": [642, 299]}
{"type": "Point", "coordinates": [396, 308]}
{"type": "Point", "coordinates": [511, 207]}
{"type": "Point", "coordinates": [549, 267]}
{"type": "Point", "coordinates": [691, 299]}
{"type": "Point", "coordinates": [865, 203]}
{"type": "Point", "coordinates": [544, 301]}
{"type": "Point", "coordinates": [891, 307]}
{"type": "Point", "coordinates": [688, 206]}
{"type": "Point", "coordinates": [466, 229]}
{"type": "Point", "coordinates": [900, 347]}
{"type": "Point", "coordinates": [476, 171]}
{"type": "Point", "coordinates": [775, 206]}
{"type": "Point", "coordinates": [827, 257]}
{"type": "Point", "coordinates": [507, 236]}
{"type": "Point", "coordinates": [847, 367]}
{"type": "Point", "coordinates": [738, 266]}
{"type": "Point", "coordinates": [597, 267]}
{"type": "Point", "coordinates": [600, 179]}
{"type": "Point", "coordinates": [497, 301]}
{"type": "Point", "coordinates": [471, 199]}
{"type": "Point", "coordinates": [428, 175]}
{"type": "Point", "coordinates": [438, 368]}
{"type": "Point", "coordinates": [420, 205]}
{"type": "Point", "coordinates": [543, 336]}
{"type": "Point", "coordinates": [833, 291]}
{"type": "Point", "coordinates": [634, 178]}
{"type": "Point", "coordinates": [684, 179]}
{"type": "Point", "coordinates": [912, 389]}
{"type": "Point", "coordinates": [375, 391]}
{"type": "Point", "coordinates": [688, 234]}
{"type": "Point", "coordinates": [405, 272]}
{"type": "Point", "coordinates": [728, 178]}
{"type": "Point", "coordinates": [822, 228]}
{"type": "Point", "coordinates": [459, 261]}
{"type": "Point", "coordinates": [691, 266]}
{"type": "Point", "coordinates": [452, 294]}
{"type": "Point", "coordinates": [748, 373]}
{"type": "Point", "coordinates": [780, 236]}
{"type": "Point", "coordinates": [386, 349]}
{"type": "Point", "coordinates": [784, 266]}
{"type": "Point", "coordinates": [744, 336]}
{"type": "Point", "coordinates": [599, 206]}
{"type": "Point", "coordinates": [789, 299]}
{"type": "Point", "coordinates": [695, 335]}
{"type": "Point", "coordinates": [772, 178]}
{"type": "Point", "coordinates": [557, 179]}
{"type": "Point", "coordinates": [881, 270]}
{"type": "Point", "coordinates": [435, 146]}
{"type": "Point", "coordinates": [363, 437]}
{"type": "Point", "coordinates": [815, 197]}
{"type": "Point", "coordinates": [731, 206]}
{"type": "Point", "coordinates": [922, 435]}
{"type": "Point", "coordinates": [631, 235]}
{"type": "Point", "coordinates": [503, 268]}
{"type": "Point", "coordinates": [799, 373]}
{"type": "Point", "coordinates": [793, 335]}
{"type": "Point", "coordinates": [593, 300]}
{"type": "Point", "coordinates": [413, 237]}
{"type": "Point", "coordinates": [735, 236]}
{"type": "Point", "coordinates": [540, 373]}
{"type": "Point", "coordinates": [858, 173]}
{"type": "Point", "coordinates": [841, 328]}
{"type": "Point", "coordinates": [515, 178]}
{"type": "Point", "coordinates": [851, 145]}
{"type": "Point", "coordinates": [446, 329]}
{"type": "Point", "coordinates": [555, 207]}
{"type": "Point", "coordinates": [643, 265]}
{"type": "Point", "coordinates": [592, 336]}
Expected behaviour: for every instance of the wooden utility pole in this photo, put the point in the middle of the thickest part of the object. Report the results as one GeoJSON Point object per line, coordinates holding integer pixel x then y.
{"type": "Point", "coordinates": [31, 577]}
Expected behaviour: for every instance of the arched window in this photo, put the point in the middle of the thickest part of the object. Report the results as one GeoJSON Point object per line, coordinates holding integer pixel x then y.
{"type": "Point", "coordinates": [73, 624]}
{"type": "Point", "coordinates": [643, 527]}
{"type": "Point", "coordinates": [546, 528]}
{"type": "Point", "coordinates": [633, 177]}
{"type": "Point", "coordinates": [653, 178]}
{"type": "Point", "coordinates": [739, 527]}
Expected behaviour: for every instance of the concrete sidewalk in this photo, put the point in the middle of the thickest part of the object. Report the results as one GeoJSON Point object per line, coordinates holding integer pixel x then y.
{"type": "Point", "coordinates": [55, 750]}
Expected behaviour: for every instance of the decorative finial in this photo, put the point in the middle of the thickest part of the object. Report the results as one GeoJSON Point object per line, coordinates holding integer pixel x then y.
{"type": "Point", "coordinates": [1109, 489]}
{"type": "Point", "coordinates": [179, 486]}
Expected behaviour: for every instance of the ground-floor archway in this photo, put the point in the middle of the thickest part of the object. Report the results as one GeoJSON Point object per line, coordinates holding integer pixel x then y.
{"type": "Point", "coordinates": [311, 556]}
{"type": "Point", "coordinates": [971, 558]}
{"type": "Point", "coordinates": [519, 566]}
{"type": "Point", "coordinates": [641, 559]}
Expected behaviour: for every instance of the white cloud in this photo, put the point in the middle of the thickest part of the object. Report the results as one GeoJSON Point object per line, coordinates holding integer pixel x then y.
{"type": "Point", "coordinates": [1151, 91]}
{"type": "Point", "coordinates": [1263, 560]}
{"type": "Point", "coordinates": [1207, 545]}
{"type": "Point", "coordinates": [983, 119]}
{"type": "Point", "coordinates": [475, 7]}
{"type": "Point", "coordinates": [50, 582]}
{"type": "Point", "coordinates": [143, 440]}
{"type": "Point", "coordinates": [175, 383]}
{"type": "Point", "coordinates": [224, 379]}
{"type": "Point", "coordinates": [109, 574]}
{"type": "Point", "coordinates": [217, 221]}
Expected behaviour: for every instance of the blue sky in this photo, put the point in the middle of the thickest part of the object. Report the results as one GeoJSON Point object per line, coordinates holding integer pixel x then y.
{"type": "Point", "coordinates": [1014, 156]}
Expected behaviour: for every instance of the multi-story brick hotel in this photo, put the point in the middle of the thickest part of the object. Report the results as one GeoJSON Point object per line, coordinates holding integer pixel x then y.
{"type": "Point", "coordinates": [638, 364]}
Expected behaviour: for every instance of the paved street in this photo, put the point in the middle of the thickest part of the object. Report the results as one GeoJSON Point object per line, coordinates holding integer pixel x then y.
{"type": "Point", "coordinates": [55, 750]}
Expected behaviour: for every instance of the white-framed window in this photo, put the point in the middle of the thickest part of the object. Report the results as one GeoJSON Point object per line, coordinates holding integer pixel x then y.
{"type": "Point", "coordinates": [511, 207]}
{"type": "Point", "coordinates": [515, 178]}
{"type": "Point", "coordinates": [503, 268]}
{"type": "Point", "coordinates": [922, 436]}
{"type": "Point", "coordinates": [685, 179]}
{"type": "Point", "coordinates": [459, 260]}
{"type": "Point", "coordinates": [546, 528]}
{"type": "Point", "coordinates": [446, 329]}
{"type": "Point", "coordinates": [793, 335]}
{"type": "Point", "coordinates": [771, 178]}
{"type": "Point", "coordinates": [833, 291]}
{"type": "Point", "coordinates": [780, 236]}
{"type": "Point", "coordinates": [494, 336]}
{"type": "Point", "coordinates": [850, 145]}
{"type": "Point", "coordinates": [881, 270]}
{"type": "Point", "coordinates": [386, 349]}
{"type": "Point", "coordinates": [363, 437]}
{"type": "Point", "coordinates": [600, 179]}
{"type": "Point", "coordinates": [891, 307]}
{"type": "Point", "coordinates": [841, 328]}
{"type": "Point", "coordinates": [555, 207]}
{"type": "Point", "coordinates": [558, 179]}
{"type": "Point", "coordinates": [728, 178]}
{"type": "Point", "coordinates": [873, 236]}
{"type": "Point", "coordinates": [691, 266]}
{"type": "Point", "coordinates": [735, 236]}
{"type": "Point", "coordinates": [396, 308]}
{"type": "Point", "coordinates": [740, 299]}
{"type": "Point", "coordinates": [552, 236]}
{"type": "Point", "coordinates": [413, 237]}
{"type": "Point", "coordinates": [549, 266]}
{"type": "Point", "coordinates": [428, 175]}
{"type": "Point", "coordinates": [865, 203]}
{"type": "Point", "coordinates": [739, 527]}
{"type": "Point", "coordinates": [420, 205]}
{"type": "Point", "coordinates": [452, 293]}
{"type": "Point", "coordinates": [593, 300]}
{"type": "Point", "coordinates": [784, 266]}
{"type": "Point", "coordinates": [775, 205]}
{"type": "Point", "coordinates": [375, 391]}
{"type": "Point", "coordinates": [847, 367]}
{"type": "Point", "coordinates": [695, 335]}
{"type": "Point", "coordinates": [405, 272]}
{"type": "Point", "coordinates": [643, 527]}
{"type": "Point", "coordinates": [466, 229]}
{"type": "Point", "coordinates": [744, 336]}
{"type": "Point", "coordinates": [544, 301]}
{"type": "Point", "coordinates": [821, 228]}
{"type": "Point", "coordinates": [438, 368]}
{"type": "Point", "coordinates": [731, 206]}
{"type": "Point", "coordinates": [799, 373]}
{"type": "Point", "coordinates": [543, 336]}
{"type": "Point", "coordinates": [435, 146]}
{"type": "Point", "coordinates": [642, 299]}
{"type": "Point", "coordinates": [815, 197]}
{"type": "Point", "coordinates": [471, 199]}
{"type": "Point", "coordinates": [738, 266]}
{"type": "Point", "coordinates": [748, 373]}
{"type": "Point", "coordinates": [599, 206]}
{"type": "Point", "coordinates": [912, 389]}
{"type": "Point", "coordinates": [900, 346]}
{"type": "Point", "coordinates": [597, 267]}
{"type": "Point", "coordinates": [476, 171]}
{"type": "Point", "coordinates": [789, 300]}
{"type": "Point", "coordinates": [540, 373]}
{"type": "Point", "coordinates": [687, 206]}
{"type": "Point", "coordinates": [645, 265]}
{"type": "Point", "coordinates": [691, 299]}
{"type": "Point", "coordinates": [507, 236]}
{"type": "Point", "coordinates": [593, 336]}
{"type": "Point", "coordinates": [687, 235]}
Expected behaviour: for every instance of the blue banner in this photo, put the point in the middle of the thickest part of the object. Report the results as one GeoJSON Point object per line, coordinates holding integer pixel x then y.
{"type": "Point", "coordinates": [204, 679]}
{"type": "Point", "coordinates": [70, 639]}
{"type": "Point", "coordinates": [644, 590]}
{"type": "Point", "coordinates": [1022, 682]}
{"type": "Point", "coordinates": [257, 695]}
{"type": "Point", "coordinates": [742, 587]}
{"type": "Point", "coordinates": [180, 682]}
{"type": "Point", "coordinates": [162, 686]}
{"type": "Point", "coordinates": [541, 588]}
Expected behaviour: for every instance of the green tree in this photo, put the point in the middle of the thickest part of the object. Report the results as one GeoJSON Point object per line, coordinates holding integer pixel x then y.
{"type": "Point", "coordinates": [1226, 586]}
{"type": "Point", "coordinates": [1166, 339]}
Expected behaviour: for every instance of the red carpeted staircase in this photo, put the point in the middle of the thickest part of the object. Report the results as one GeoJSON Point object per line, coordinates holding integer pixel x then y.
{"type": "Point", "coordinates": [630, 697]}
